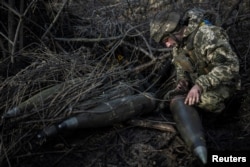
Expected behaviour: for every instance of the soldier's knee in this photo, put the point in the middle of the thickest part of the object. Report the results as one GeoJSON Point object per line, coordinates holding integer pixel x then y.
{"type": "Point", "coordinates": [215, 108]}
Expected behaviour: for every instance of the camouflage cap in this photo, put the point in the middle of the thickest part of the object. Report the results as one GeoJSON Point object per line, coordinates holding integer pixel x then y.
{"type": "Point", "coordinates": [164, 23]}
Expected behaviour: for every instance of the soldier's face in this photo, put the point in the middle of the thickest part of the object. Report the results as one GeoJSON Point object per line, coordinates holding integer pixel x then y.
{"type": "Point", "coordinates": [170, 42]}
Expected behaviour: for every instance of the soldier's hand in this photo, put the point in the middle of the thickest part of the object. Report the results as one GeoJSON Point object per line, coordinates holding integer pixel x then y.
{"type": "Point", "coordinates": [193, 95]}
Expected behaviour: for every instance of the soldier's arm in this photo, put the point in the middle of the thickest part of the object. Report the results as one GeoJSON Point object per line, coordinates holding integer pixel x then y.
{"type": "Point", "coordinates": [181, 74]}
{"type": "Point", "coordinates": [224, 62]}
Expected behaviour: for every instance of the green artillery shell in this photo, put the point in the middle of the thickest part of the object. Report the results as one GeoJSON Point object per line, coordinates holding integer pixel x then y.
{"type": "Point", "coordinates": [111, 112]}
{"type": "Point", "coordinates": [107, 113]}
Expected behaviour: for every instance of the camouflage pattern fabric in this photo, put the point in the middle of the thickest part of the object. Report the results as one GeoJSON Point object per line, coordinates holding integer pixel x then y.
{"type": "Point", "coordinates": [194, 16]}
{"type": "Point", "coordinates": [213, 101]}
{"type": "Point", "coordinates": [212, 64]}
{"type": "Point", "coordinates": [164, 23]}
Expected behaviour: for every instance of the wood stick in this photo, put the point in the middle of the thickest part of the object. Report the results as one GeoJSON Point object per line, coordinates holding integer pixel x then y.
{"type": "Point", "coordinates": [89, 39]}
{"type": "Point", "coordinates": [19, 29]}
{"type": "Point", "coordinates": [55, 19]}
{"type": "Point", "coordinates": [162, 126]}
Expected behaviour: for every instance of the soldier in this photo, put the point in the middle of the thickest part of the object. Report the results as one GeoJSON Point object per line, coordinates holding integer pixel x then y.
{"type": "Point", "coordinates": [207, 70]}
{"type": "Point", "coordinates": [205, 63]}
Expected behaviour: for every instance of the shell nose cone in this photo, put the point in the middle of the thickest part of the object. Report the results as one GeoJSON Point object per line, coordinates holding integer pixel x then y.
{"type": "Point", "coordinates": [201, 153]}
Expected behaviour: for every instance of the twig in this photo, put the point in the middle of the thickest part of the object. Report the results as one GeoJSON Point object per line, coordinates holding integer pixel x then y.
{"type": "Point", "coordinates": [163, 126]}
{"type": "Point", "coordinates": [5, 155]}
{"type": "Point", "coordinates": [55, 19]}
{"type": "Point", "coordinates": [146, 42]}
{"type": "Point", "coordinates": [140, 49]}
{"type": "Point", "coordinates": [245, 57]}
{"type": "Point", "coordinates": [21, 33]}
{"type": "Point", "coordinates": [161, 49]}
{"type": "Point", "coordinates": [11, 19]}
{"type": "Point", "coordinates": [4, 51]}
{"type": "Point", "coordinates": [88, 39]}
{"type": "Point", "coordinates": [148, 64]}
{"type": "Point", "coordinates": [11, 24]}
{"type": "Point", "coordinates": [110, 6]}
{"type": "Point", "coordinates": [235, 6]}
{"type": "Point", "coordinates": [19, 27]}
{"type": "Point", "coordinates": [149, 52]}
{"type": "Point", "coordinates": [11, 42]}
{"type": "Point", "coordinates": [11, 9]}
{"type": "Point", "coordinates": [64, 155]}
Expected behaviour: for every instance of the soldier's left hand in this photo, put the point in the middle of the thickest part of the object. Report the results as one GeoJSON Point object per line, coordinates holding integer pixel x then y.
{"type": "Point", "coordinates": [193, 95]}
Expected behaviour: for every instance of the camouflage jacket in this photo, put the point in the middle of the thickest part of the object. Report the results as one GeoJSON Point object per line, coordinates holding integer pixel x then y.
{"type": "Point", "coordinates": [206, 58]}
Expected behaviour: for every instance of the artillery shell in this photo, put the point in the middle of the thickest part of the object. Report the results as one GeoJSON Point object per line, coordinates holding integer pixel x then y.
{"type": "Point", "coordinates": [11, 113]}
{"type": "Point", "coordinates": [109, 113]}
{"type": "Point", "coordinates": [189, 126]}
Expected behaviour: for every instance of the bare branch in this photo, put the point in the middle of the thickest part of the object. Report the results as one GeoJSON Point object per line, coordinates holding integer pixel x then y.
{"type": "Point", "coordinates": [150, 63]}
{"type": "Point", "coordinates": [11, 24]}
{"type": "Point", "coordinates": [10, 8]}
{"type": "Point", "coordinates": [19, 26]}
{"type": "Point", "coordinates": [162, 126]}
{"type": "Point", "coordinates": [55, 19]}
{"type": "Point", "coordinates": [235, 6]}
{"type": "Point", "coordinates": [88, 39]}
{"type": "Point", "coordinates": [11, 42]}
{"type": "Point", "coordinates": [140, 49]}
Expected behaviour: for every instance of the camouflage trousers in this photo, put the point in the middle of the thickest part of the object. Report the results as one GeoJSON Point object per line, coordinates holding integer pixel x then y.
{"type": "Point", "coordinates": [214, 100]}
{"type": "Point", "coordinates": [211, 101]}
